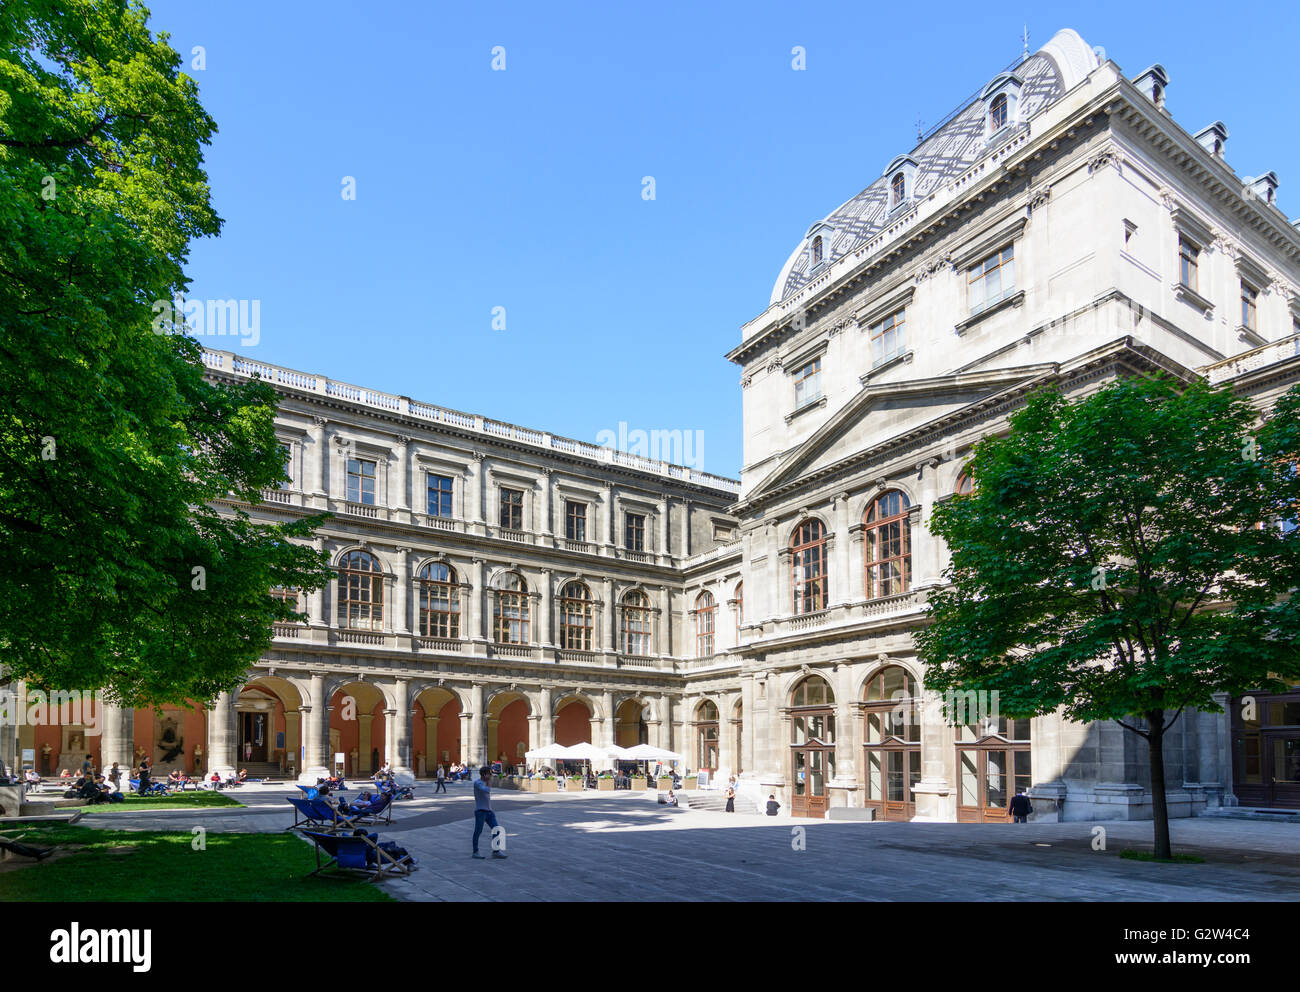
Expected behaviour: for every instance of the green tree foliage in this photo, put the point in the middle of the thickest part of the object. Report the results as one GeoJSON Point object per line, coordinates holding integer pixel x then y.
{"type": "Point", "coordinates": [115, 569]}
{"type": "Point", "coordinates": [1124, 557]}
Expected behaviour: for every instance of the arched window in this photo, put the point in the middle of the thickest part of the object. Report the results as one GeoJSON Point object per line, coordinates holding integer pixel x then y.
{"type": "Point", "coordinates": [705, 615]}
{"type": "Point", "coordinates": [510, 616]}
{"type": "Point", "coordinates": [636, 624]}
{"type": "Point", "coordinates": [576, 617]}
{"type": "Point", "coordinates": [887, 545]}
{"type": "Point", "coordinates": [891, 739]}
{"type": "Point", "coordinates": [965, 484]}
{"type": "Point", "coordinates": [817, 250]}
{"type": "Point", "coordinates": [808, 566]}
{"type": "Point", "coordinates": [812, 744]}
{"type": "Point", "coordinates": [706, 736]}
{"type": "Point", "coordinates": [361, 592]}
{"type": "Point", "coordinates": [998, 112]}
{"type": "Point", "coordinates": [439, 601]}
{"type": "Point", "coordinates": [897, 186]}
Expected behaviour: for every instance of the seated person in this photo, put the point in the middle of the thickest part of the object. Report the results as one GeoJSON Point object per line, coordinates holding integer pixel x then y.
{"type": "Point", "coordinates": [33, 780]}
{"type": "Point", "coordinates": [243, 776]}
{"type": "Point", "coordinates": [215, 779]}
{"type": "Point", "coordinates": [772, 805]}
{"type": "Point", "coordinates": [672, 798]}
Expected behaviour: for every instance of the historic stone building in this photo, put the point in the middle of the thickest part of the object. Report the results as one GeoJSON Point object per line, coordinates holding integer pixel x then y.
{"type": "Point", "coordinates": [501, 588]}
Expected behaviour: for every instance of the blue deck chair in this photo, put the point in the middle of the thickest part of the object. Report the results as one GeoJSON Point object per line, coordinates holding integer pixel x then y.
{"type": "Point", "coordinates": [378, 809]}
{"type": "Point", "coordinates": [358, 853]}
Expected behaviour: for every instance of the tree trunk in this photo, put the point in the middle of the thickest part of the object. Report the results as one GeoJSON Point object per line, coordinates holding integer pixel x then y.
{"type": "Point", "coordinates": [1159, 804]}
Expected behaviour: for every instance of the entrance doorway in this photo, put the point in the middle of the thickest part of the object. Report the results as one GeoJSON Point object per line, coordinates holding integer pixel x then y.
{"type": "Point", "coordinates": [812, 750]}
{"type": "Point", "coordinates": [252, 736]}
{"type": "Point", "coordinates": [1266, 750]}
{"type": "Point", "coordinates": [991, 769]}
{"type": "Point", "coordinates": [892, 738]}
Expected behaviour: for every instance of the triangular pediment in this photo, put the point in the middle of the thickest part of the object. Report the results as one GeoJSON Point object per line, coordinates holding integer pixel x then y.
{"type": "Point", "coordinates": [888, 409]}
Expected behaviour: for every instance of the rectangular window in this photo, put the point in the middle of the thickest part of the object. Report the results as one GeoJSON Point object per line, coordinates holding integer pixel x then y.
{"type": "Point", "coordinates": [361, 481]}
{"type": "Point", "coordinates": [512, 509]}
{"type": "Point", "coordinates": [1248, 297]}
{"type": "Point", "coordinates": [575, 521]}
{"type": "Point", "coordinates": [634, 531]}
{"type": "Point", "coordinates": [286, 457]}
{"type": "Point", "coordinates": [888, 338]}
{"type": "Point", "coordinates": [439, 495]}
{"type": "Point", "coordinates": [1187, 256]}
{"type": "Point", "coordinates": [991, 280]}
{"type": "Point", "coordinates": [808, 384]}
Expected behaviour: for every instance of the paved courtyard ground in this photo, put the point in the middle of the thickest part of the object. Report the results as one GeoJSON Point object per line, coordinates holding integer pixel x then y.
{"type": "Point", "coordinates": [621, 846]}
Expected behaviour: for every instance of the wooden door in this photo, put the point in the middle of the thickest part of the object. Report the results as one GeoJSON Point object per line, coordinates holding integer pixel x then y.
{"type": "Point", "coordinates": [809, 778]}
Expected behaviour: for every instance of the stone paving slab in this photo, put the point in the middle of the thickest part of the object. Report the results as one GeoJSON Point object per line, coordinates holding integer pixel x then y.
{"type": "Point", "coordinates": [621, 847]}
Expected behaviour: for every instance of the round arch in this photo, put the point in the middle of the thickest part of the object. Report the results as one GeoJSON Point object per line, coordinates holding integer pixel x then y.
{"type": "Point", "coordinates": [630, 728]}
{"type": "Point", "coordinates": [573, 716]}
{"type": "Point", "coordinates": [435, 728]}
{"type": "Point", "coordinates": [358, 724]}
{"type": "Point", "coordinates": [508, 711]}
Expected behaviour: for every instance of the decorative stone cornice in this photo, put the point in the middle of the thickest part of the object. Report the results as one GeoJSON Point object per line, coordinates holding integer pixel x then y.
{"type": "Point", "coordinates": [1107, 155]}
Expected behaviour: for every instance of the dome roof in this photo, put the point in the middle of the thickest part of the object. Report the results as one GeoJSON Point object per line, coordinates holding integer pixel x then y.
{"type": "Point", "coordinates": [947, 153]}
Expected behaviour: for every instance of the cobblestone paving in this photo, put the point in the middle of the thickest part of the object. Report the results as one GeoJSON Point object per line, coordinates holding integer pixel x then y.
{"type": "Point", "coordinates": [626, 847]}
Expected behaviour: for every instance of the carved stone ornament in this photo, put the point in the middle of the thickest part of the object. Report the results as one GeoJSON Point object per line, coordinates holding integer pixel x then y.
{"type": "Point", "coordinates": [932, 266]}
{"type": "Point", "coordinates": [1103, 157]}
{"type": "Point", "coordinates": [745, 380]}
{"type": "Point", "coordinates": [775, 365]}
{"type": "Point", "coordinates": [1038, 197]}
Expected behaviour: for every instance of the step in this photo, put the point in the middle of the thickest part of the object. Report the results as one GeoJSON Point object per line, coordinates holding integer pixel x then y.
{"type": "Point", "coordinates": [1254, 813]}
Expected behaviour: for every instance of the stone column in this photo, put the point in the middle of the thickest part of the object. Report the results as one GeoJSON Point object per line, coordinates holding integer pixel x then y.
{"type": "Point", "coordinates": [546, 718]}
{"type": "Point", "coordinates": [365, 741]}
{"type": "Point", "coordinates": [480, 606]}
{"type": "Point", "coordinates": [432, 753]}
{"type": "Point", "coordinates": [661, 532]}
{"type": "Point", "coordinates": [400, 721]}
{"type": "Point", "coordinates": [548, 503]}
{"type": "Point", "coordinates": [610, 732]}
{"type": "Point", "coordinates": [317, 717]}
{"type": "Point", "coordinates": [686, 529]}
{"type": "Point", "coordinates": [292, 741]}
{"type": "Point", "coordinates": [493, 748]}
{"type": "Point", "coordinates": [401, 591]}
{"type": "Point", "coordinates": [534, 731]}
{"type": "Point", "coordinates": [117, 742]}
{"type": "Point", "coordinates": [320, 449]}
{"type": "Point", "coordinates": [610, 617]}
{"type": "Point", "coordinates": [545, 609]}
{"type": "Point", "coordinates": [927, 554]}
{"type": "Point", "coordinates": [842, 788]}
{"type": "Point", "coordinates": [474, 475]}
{"type": "Point", "coordinates": [316, 598]}
{"type": "Point", "coordinates": [842, 558]}
{"type": "Point", "coordinates": [465, 736]}
{"type": "Point", "coordinates": [476, 727]}
{"type": "Point", "coordinates": [401, 499]}
{"type": "Point", "coordinates": [747, 726]}
{"type": "Point", "coordinates": [604, 513]}
{"type": "Point", "coordinates": [221, 736]}
{"type": "Point", "coordinates": [666, 723]}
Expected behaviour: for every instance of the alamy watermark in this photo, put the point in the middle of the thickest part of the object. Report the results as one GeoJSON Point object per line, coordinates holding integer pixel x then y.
{"type": "Point", "coordinates": [678, 447]}
{"type": "Point", "coordinates": [209, 318]}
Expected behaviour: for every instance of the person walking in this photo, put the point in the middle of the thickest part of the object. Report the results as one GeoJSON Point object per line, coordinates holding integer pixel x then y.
{"type": "Point", "coordinates": [1019, 807]}
{"type": "Point", "coordinates": [441, 776]}
{"type": "Point", "coordinates": [483, 811]}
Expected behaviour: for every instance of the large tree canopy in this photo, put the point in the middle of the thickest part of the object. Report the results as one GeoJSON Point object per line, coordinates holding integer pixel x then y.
{"type": "Point", "coordinates": [1124, 557]}
{"type": "Point", "coordinates": [115, 570]}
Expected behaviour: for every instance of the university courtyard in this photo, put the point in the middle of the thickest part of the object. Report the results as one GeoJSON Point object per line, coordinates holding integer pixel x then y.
{"type": "Point", "coordinates": [626, 847]}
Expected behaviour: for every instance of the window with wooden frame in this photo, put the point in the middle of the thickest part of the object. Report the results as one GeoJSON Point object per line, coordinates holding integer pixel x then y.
{"type": "Point", "coordinates": [897, 189]}
{"type": "Point", "coordinates": [1249, 296]}
{"type": "Point", "coordinates": [634, 531]}
{"type": "Point", "coordinates": [577, 617]}
{"type": "Point", "coordinates": [705, 617]}
{"type": "Point", "coordinates": [991, 280]}
{"type": "Point", "coordinates": [998, 113]}
{"type": "Point", "coordinates": [887, 545]}
{"type": "Point", "coordinates": [817, 250]}
{"type": "Point", "coordinates": [361, 481]}
{"type": "Point", "coordinates": [439, 495]}
{"type": "Point", "coordinates": [288, 594]}
{"type": "Point", "coordinates": [439, 601]}
{"type": "Point", "coordinates": [636, 624]}
{"type": "Point", "coordinates": [888, 338]}
{"type": "Point", "coordinates": [512, 508]}
{"type": "Point", "coordinates": [510, 611]}
{"type": "Point", "coordinates": [575, 520]}
{"type": "Point", "coordinates": [965, 484]}
{"type": "Point", "coordinates": [361, 592]}
{"type": "Point", "coordinates": [808, 567]}
{"type": "Point", "coordinates": [808, 384]}
{"type": "Point", "coordinates": [812, 712]}
{"type": "Point", "coordinates": [1188, 255]}
{"type": "Point", "coordinates": [707, 738]}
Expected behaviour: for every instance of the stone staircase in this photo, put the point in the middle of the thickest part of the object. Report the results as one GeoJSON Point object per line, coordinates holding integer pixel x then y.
{"type": "Point", "coordinates": [264, 769]}
{"type": "Point", "coordinates": [716, 800]}
{"type": "Point", "coordinates": [1253, 813]}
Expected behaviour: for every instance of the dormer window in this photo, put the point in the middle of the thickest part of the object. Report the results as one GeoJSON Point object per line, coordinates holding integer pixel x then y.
{"type": "Point", "coordinates": [998, 113]}
{"type": "Point", "coordinates": [1001, 97]}
{"type": "Point", "coordinates": [1152, 85]}
{"type": "Point", "coordinates": [1213, 139]}
{"type": "Point", "coordinates": [902, 181]}
{"type": "Point", "coordinates": [818, 240]}
{"type": "Point", "coordinates": [817, 250]}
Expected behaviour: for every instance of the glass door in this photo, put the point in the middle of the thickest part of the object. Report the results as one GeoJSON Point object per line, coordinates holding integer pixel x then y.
{"type": "Point", "coordinates": [812, 768]}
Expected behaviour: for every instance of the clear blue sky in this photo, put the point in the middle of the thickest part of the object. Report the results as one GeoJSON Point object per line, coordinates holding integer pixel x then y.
{"type": "Point", "coordinates": [522, 189]}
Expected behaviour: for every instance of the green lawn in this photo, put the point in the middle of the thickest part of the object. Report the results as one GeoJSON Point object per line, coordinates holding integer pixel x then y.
{"type": "Point", "coordinates": [162, 866]}
{"type": "Point", "coordinates": [177, 800]}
